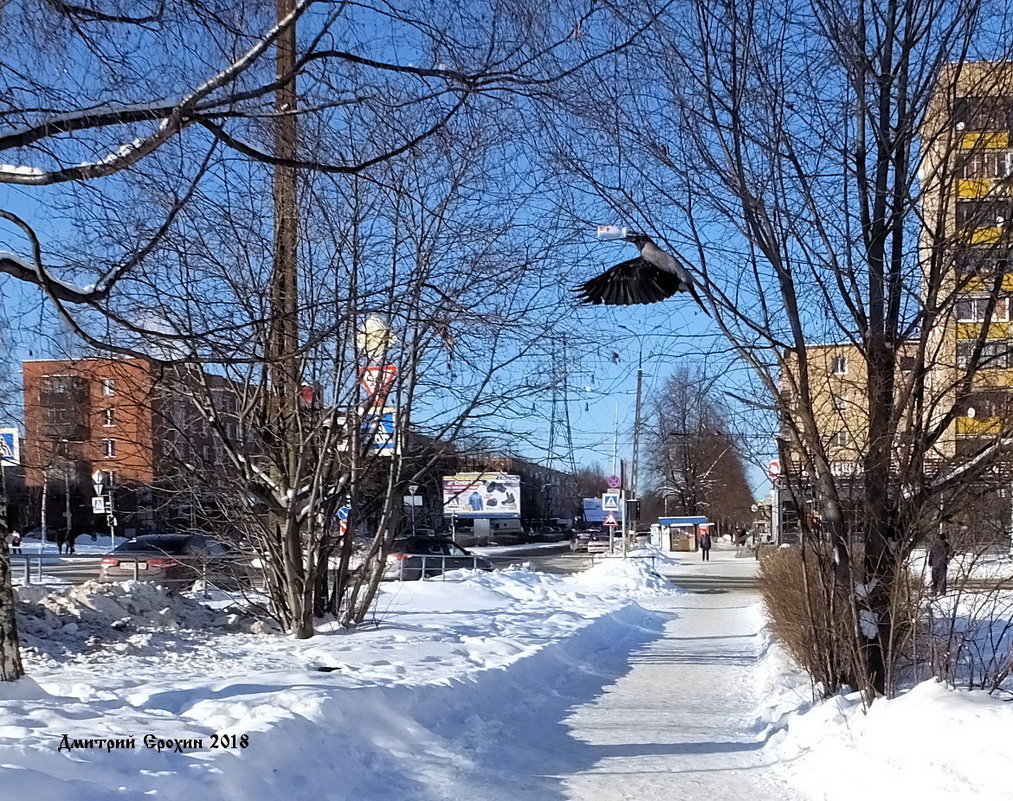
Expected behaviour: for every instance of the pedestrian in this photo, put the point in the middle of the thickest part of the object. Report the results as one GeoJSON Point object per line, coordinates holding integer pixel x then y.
{"type": "Point", "coordinates": [705, 546]}
{"type": "Point", "coordinates": [15, 536]}
{"type": "Point", "coordinates": [60, 540]}
{"type": "Point", "coordinates": [939, 559]}
{"type": "Point", "coordinates": [71, 541]}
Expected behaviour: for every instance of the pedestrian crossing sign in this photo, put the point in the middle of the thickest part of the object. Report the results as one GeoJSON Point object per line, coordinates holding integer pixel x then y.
{"type": "Point", "coordinates": [610, 502]}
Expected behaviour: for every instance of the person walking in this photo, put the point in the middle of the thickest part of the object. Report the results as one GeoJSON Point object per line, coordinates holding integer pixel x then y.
{"type": "Point", "coordinates": [939, 559]}
{"type": "Point", "coordinates": [705, 546]}
{"type": "Point", "coordinates": [15, 540]}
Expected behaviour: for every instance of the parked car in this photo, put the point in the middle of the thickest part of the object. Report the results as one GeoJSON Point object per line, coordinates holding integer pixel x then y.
{"type": "Point", "coordinates": [175, 560]}
{"type": "Point", "coordinates": [411, 558]}
{"type": "Point", "coordinates": [598, 542]}
{"type": "Point", "coordinates": [578, 542]}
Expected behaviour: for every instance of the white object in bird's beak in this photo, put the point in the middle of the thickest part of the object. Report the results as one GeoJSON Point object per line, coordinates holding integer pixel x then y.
{"type": "Point", "coordinates": [611, 232]}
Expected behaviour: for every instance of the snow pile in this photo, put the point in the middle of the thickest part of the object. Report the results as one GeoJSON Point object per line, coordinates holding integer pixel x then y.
{"type": "Point", "coordinates": [94, 615]}
{"type": "Point", "coordinates": [931, 743]}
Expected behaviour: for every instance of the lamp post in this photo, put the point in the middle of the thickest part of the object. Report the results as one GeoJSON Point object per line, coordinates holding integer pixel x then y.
{"type": "Point", "coordinates": [635, 467]}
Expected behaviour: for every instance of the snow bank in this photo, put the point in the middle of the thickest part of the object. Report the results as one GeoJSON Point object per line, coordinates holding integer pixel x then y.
{"type": "Point", "coordinates": [122, 616]}
{"type": "Point", "coordinates": [415, 707]}
{"type": "Point", "coordinates": [931, 743]}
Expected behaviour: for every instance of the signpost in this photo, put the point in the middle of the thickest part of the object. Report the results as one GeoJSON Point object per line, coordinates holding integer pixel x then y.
{"type": "Point", "coordinates": [103, 504]}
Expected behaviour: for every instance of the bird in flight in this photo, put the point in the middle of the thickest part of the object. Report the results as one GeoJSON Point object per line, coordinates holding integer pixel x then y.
{"type": "Point", "coordinates": [652, 276]}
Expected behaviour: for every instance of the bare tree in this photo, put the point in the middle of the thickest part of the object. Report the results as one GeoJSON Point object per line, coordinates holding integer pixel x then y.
{"type": "Point", "coordinates": [804, 158]}
{"type": "Point", "coordinates": [188, 105]}
{"type": "Point", "coordinates": [694, 458]}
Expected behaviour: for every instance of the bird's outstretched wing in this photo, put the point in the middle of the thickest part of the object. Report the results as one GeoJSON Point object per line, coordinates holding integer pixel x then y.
{"type": "Point", "coordinates": [631, 282]}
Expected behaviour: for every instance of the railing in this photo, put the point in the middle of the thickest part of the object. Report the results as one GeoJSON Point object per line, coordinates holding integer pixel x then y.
{"type": "Point", "coordinates": [58, 559]}
{"type": "Point", "coordinates": [433, 565]}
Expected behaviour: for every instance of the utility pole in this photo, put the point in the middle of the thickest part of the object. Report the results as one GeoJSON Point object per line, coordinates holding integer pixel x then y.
{"type": "Point", "coordinates": [282, 347]}
{"type": "Point", "coordinates": [636, 427]}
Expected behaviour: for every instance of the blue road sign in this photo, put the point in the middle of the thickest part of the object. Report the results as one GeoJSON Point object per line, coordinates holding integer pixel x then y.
{"type": "Point", "coordinates": [10, 450]}
{"type": "Point", "coordinates": [610, 502]}
{"type": "Point", "coordinates": [343, 512]}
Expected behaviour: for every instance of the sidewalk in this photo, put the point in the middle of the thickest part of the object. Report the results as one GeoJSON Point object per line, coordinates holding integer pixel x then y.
{"type": "Point", "coordinates": [679, 724]}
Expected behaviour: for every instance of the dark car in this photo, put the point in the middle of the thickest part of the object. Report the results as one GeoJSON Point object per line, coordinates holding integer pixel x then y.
{"type": "Point", "coordinates": [174, 560]}
{"type": "Point", "coordinates": [578, 542]}
{"type": "Point", "coordinates": [413, 558]}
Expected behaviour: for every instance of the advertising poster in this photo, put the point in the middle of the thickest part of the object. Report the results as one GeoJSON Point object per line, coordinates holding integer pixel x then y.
{"type": "Point", "coordinates": [482, 495]}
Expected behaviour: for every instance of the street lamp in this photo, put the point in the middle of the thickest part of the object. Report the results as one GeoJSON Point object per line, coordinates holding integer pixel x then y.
{"type": "Point", "coordinates": [639, 394]}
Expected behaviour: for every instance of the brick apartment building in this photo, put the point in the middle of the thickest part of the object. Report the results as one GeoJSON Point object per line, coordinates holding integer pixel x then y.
{"type": "Point", "coordinates": [118, 416]}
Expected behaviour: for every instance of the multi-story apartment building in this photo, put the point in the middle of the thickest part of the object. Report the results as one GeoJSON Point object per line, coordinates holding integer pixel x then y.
{"type": "Point", "coordinates": [115, 416]}
{"type": "Point", "coordinates": [967, 186]}
{"type": "Point", "coordinates": [966, 268]}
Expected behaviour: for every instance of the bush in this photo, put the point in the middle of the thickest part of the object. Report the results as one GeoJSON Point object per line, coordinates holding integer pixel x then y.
{"type": "Point", "coordinates": [813, 625]}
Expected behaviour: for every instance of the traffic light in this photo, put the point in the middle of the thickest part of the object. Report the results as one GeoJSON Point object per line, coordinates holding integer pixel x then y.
{"type": "Point", "coordinates": [632, 510]}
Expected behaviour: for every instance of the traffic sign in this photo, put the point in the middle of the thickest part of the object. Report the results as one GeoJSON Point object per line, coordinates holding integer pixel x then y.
{"type": "Point", "coordinates": [98, 505]}
{"type": "Point", "coordinates": [610, 520]}
{"type": "Point", "coordinates": [343, 512]}
{"type": "Point", "coordinates": [754, 508]}
{"type": "Point", "coordinates": [610, 502]}
{"type": "Point", "coordinates": [613, 482]}
{"type": "Point", "coordinates": [413, 488]}
{"type": "Point", "coordinates": [10, 452]}
{"type": "Point", "coordinates": [774, 468]}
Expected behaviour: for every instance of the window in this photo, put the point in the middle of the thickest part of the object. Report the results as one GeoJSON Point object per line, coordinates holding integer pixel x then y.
{"type": "Point", "coordinates": [109, 478]}
{"type": "Point", "coordinates": [984, 261]}
{"type": "Point", "coordinates": [839, 365]}
{"type": "Point", "coordinates": [108, 417]}
{"type": "Point", "coordinates": [841, 438]}
{"type": "Point", "coordinates": [57, 384]}
{"type": "Point", "coordinates": [994, 353]}
{"type": "Point", "coordinates": [109, 448]}
{"type": "Point", "coordinates": [990, 113]}
{"type": "Point", "coordinates": [108, 387]}
{"type": "Point", "coordinates": [840, 401]}
{"type": "Point", "coordinates": [991, 164]}
{"type": "Point", "coordinates": [983, 213]}
{"type": "Point", "coordinates": [908, 363]}
{"type": "Point", "coordinates": [973, 310]}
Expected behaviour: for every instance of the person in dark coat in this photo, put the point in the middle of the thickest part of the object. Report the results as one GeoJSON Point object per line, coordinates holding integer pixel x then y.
{"type": "Point", "coordinates": [939, 559]}
{"type": "Point", "coordinates": [705, 546]}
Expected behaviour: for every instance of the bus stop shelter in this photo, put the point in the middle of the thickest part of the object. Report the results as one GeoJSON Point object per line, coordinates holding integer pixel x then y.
{"type": "Point", "coordinates": [682, 533]}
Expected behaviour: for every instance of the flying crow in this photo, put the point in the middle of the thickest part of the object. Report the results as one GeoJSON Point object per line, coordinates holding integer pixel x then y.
{"type": "Point", "coordinates": [654, 275]}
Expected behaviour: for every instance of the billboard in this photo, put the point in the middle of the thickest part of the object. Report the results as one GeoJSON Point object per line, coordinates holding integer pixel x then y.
{"type": "Point", "coordinates": [482, 495]}
{"type": "Point", "coordinates": [593, 513]}
{"type": "Point", "coordinates": [10, 450]}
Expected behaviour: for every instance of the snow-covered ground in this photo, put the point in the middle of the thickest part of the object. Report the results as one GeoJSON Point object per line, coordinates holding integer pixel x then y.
{"type": "Point", "coordinates": [382, 713]}
{"type": "Point", "coordinates": [930, 744]}
{"type": "Point", "coordinates": [603, 685]}
{"type": "Point", "coordinates": [84, 544]}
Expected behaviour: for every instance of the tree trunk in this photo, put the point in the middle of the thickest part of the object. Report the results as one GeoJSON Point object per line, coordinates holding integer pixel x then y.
{"type": "Point", "coordinates": [10, 656]}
